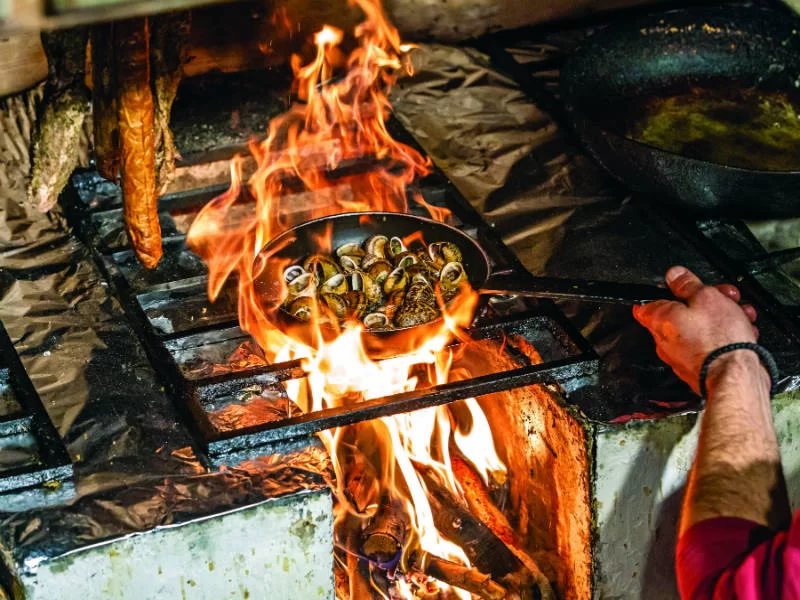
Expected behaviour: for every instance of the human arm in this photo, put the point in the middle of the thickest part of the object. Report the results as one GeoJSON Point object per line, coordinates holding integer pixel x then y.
{"type": "Point", "coordinates": [737, 471]}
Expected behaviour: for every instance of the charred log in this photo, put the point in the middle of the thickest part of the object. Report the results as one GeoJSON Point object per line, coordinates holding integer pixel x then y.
{"type": "Point", "coordinates": [382, 540]}
{"type": "Point", "coordinates": [465, 578]}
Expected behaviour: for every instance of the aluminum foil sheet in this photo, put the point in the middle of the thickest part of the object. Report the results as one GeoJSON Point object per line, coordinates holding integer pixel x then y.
{"type": "Point", "coordinates": [552, 205]}
{"type": "Point", "coordinates": [135, 467]}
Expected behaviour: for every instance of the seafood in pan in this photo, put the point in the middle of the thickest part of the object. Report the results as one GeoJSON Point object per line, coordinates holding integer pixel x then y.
{"type": "Point", "coordinates": [379, 282]}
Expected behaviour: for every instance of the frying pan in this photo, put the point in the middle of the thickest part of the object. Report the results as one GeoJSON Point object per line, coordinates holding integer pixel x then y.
{"type": "Point", "coordinates": [297, 243]}
{"type": "Point", "coordinates": [747, 46]}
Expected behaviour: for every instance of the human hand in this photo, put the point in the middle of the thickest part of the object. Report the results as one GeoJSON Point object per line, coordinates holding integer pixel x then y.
{"type": "Point", "coordinates": [703, 319]}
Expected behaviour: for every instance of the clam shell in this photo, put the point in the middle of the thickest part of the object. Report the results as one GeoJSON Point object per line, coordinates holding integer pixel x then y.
{"type": "Point", "coordinates": [422, 293]}
{"type": "Point", "coordinates": [444, 252]}
{"type": "Point", "coordinates": [336, 303]}
{"type": "Point", "coordinates": [356, 304]}
{"type": "Point", "coordinates": [396, 281]}
{"type": "Point", "coordinates": [369, 260]}
{"type": "Point", "coordinates": [303, 285]}
{"type": "Point", "coordinates": [405, 259]}
{"type": "Point", "coordinates": [414, 313]}
{"type": "Point", "coordinates": [350, 263]}
{"type": "Point", "coordinates": [376, 246]}
{"type": "Point", "coordinates": [292, 273]}
{"type": "Point", "coordinates": [452, 276]}
{"type": "Point", "coordinates": [351, 248]}
{"type": "Point", "coordinates": [379, 270]}
{"type": "Point", "coordinates": [302, 308]}
{"type": "Point", "coordinates": [361, 282]}
{"type": "Point", "coordinates": [395, 246]}
{"type": "Point", "coordinates": [376, 320]}
{"type": "Point", "coordinates": [322, 266]}
{"type": "Point", "coordinates": [335, 285]}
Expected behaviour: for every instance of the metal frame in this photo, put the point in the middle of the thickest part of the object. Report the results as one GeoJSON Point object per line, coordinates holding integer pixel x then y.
{"type": "Point", "coordinates": [53, 464]}
{"type": "Point", "coordinates": [578, 369]}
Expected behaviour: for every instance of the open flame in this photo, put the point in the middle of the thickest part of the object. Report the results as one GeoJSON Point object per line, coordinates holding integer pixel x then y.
{"type": "Point", "coordinates": [339, 120]}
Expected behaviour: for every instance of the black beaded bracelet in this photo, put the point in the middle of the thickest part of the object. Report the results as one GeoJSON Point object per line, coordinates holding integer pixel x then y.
{"type": "Point", "coordinates": [763, 354]}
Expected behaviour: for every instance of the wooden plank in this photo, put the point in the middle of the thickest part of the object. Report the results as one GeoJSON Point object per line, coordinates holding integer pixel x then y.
{"type": "Point", "coordinates": [22, 63]}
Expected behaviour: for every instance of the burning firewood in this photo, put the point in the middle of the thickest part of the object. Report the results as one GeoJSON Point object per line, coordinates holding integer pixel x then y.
{"type": "Point", "coordinates": [382, 540]}
{"type": "Point", "coordinates": [65, 105]}
{"type": "Point", "coordinates": [465, 578]}
{"type": "Point", "coordinates": [483, 548]}
{"type": "Point", "coordinates": [137, 141]}
{"type": "Point", "coordinates": [168, 51]}
{"type": "Point", "coordinates": [104, 101]}
{"type": "Point", "coordinates": [480, 504]}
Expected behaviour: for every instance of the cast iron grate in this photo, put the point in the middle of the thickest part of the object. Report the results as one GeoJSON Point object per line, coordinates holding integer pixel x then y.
{"type": "Point", "coordinates": [32, 451]}
{"type": "Point", "coordinates": [232, 399]}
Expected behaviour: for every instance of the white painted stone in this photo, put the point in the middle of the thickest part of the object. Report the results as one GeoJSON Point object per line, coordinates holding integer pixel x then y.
{"type": "Point", "coordinates": [276, 549]}
{"type": "Point", "coordinates": [640, 474]}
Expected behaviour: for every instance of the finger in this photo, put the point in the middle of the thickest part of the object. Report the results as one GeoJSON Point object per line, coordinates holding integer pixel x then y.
{"type": "Point", "coordinates": [729, 291]}
{"type": "Point", "coordinates": [750, 311]}
{"type": "Point", "coordinates": [755, 332]}
{"type": "Point", "coordinates": [654, 315]}
{"type": "Point", "coordinates": [683, 283]}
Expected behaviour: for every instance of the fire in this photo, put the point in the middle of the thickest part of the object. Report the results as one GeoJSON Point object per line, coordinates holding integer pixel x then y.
{"type": "Point", "coordinates": [339, 121]}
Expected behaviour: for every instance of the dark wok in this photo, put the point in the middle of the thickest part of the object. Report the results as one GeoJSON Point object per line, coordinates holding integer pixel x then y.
{"type": "Point", "coordinates": [295, 244]}
{"type": "Point", "coordinates": [746, 46]}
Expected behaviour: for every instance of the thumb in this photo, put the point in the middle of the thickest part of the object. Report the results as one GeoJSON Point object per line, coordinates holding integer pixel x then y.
{"type": "Point", "coordinates": [683, 283]}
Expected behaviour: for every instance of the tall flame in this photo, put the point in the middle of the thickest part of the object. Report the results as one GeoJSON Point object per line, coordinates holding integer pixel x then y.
{"type": "Point", "coordinates": [339, 120]}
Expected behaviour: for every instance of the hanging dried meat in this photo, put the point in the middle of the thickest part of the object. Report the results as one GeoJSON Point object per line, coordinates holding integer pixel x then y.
{"type": "Point", "coordinates": [137, 140]}
{"type": "Point", "coordinates": [169, 36]}
{"type": "Point", "coordinates": [104, 101]}
{"type": "Point", "coordinates": [64, 110]}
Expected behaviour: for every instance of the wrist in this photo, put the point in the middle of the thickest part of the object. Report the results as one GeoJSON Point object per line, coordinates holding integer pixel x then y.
{"type": "Point", "coordinates": [740, 367]}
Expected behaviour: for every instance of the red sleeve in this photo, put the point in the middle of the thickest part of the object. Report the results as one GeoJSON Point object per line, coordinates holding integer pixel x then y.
{"type": "Point", "coordinates": [728, 557]}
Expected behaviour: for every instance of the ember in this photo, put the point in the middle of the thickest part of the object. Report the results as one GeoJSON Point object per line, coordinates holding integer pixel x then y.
{"type": "Point", "coordinates": [387, 470]}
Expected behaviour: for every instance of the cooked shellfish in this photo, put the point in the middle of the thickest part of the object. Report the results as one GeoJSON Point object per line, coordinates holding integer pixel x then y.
{"type": "Point", "coordinates": [376, 320]}
{"type": "Point", "coordinates": [382, 283]}
{"type": "Point", "coordinates": [336, 303]}
{"type": "Point", "coordinates": [415, 313]}
{"type": "Point", "coordinates": [322, 266]}
{"type": "Point", "coordinates": [335, 285]}
{"type": "Point", "coordinates": [376, 246]}
{"type": "Point", "coordinates": [452, 276]}
{"type": "Point", "coordinates": [302, 308]}
{"type": "Point", "coordinates": [397, 281]}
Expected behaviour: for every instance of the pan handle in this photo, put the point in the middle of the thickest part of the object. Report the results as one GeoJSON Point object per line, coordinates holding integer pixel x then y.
{"type": "Point", "coordinates": [507, 284]}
